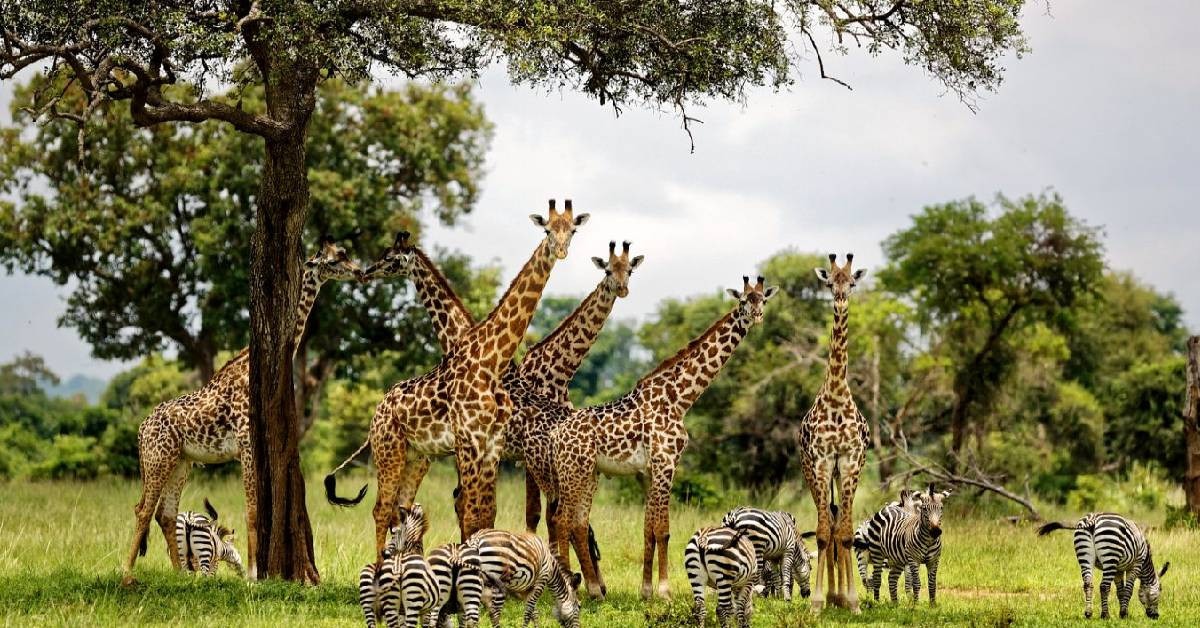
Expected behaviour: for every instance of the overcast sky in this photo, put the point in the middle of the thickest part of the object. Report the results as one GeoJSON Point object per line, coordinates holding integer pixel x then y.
{"type": "Point", "coordinates": [1103, 111]}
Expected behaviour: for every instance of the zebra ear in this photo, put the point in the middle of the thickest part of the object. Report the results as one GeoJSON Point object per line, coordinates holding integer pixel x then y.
{"type": "Point", "coordinates": [576, 577]}
{"type": "Point", "coordinates": [1164, 569]}
{"type": "Point", "coordinates": [812, 555]}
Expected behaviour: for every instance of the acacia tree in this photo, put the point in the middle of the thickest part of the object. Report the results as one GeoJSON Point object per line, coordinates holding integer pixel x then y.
{"type": "Point", "coordinates": [656, 53]}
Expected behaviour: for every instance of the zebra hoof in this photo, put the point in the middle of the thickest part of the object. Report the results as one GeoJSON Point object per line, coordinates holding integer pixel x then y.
{"type": "Point", "coordinates": [1087, 614]}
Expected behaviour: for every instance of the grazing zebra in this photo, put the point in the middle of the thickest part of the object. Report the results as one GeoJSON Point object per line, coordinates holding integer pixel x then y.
{"type": "Point", "coordinates": [801, 570]}
{"type": "Point", "coordinates": [522, 563]}
{"type": "Point", "coordinates": [381, 586]}
{"type": "Point", "coordinates": [460, 579]}
{"type": "Point", "coordinates": [874, 557]}
{"type": "Point", "coordinates": [905, 540]}
{"type": "Point", "coordinates": [1115, 545]}
{"type": "Point", "coordinates": [202, 543]}
{"type": "Point", "coordinates": [776, 542]}
{"type": "Point", "coordinates": [722, 558]}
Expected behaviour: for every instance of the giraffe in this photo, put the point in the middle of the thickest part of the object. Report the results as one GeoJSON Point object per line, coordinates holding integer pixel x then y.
{"type": "Point", "coordinates": [460, 406]}
{"type": "Point", "coordinates": [643, 434]}
{"type": "Point", "coordinates": [212, 425]}
{"type": "Point", "coordinates": [833, 439]}
{"type": "Point", "coordinates": [545, 373]}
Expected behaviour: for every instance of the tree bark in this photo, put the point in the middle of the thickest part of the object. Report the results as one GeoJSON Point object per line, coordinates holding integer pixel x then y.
{"type": "Point", "coordinates": [284, 534]}
{"type": "Point", "coordinates": [1191, 426]}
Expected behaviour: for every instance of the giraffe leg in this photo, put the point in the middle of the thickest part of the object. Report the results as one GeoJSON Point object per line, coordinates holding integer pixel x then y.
{"type": "Point", "coordinates": [579, 539]}
{"type": "Point", "coordinates": [415, 468]}
{"type": "Point", "coordinates": [168, 508]}
{"type": "Point", "coordinates": [159, 454]}
{"type": "Point", "coordinates": [658, 505]}
{"type": "Point", "coordinates": [391, 463]}
{"type": "Point", "coordinates": [533, 504]}
{"type": "Point", "coordinates": [848, 471]}
{"type": "Point", "coordinates": [648, 540]}
{"type": "Point", "coordinates": [250, 489]}
{"type": "Point", "coordinates": [477, 469]}
{"type": "Point", "coordinates": [818, 484]}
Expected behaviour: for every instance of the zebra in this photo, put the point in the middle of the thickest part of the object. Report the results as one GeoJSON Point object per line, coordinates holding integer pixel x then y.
{"type": "Point", "coordinates": [201, 543]}
{"type": "Point", "coordinates": [905, 540]}
{"type": "Point", "coordinates": [460, 580]}
{"type": "Point", "coordinates": [381, 586]}
{"type": "Point", "coordinates": [776, 542]}
{"type": "Point", "coordinates": [801, 569]}
{"type": "Point", "coordinates": [722, 558]}
{"type": "Point", "coordinates": [1119, 548]}
{"type": "Point", "coordinates": [863, 538]}
{"type": "Point", "coordinates": [521, 563]}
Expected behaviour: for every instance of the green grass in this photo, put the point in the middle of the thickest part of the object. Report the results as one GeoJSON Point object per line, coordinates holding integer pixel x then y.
{"type": "Point", "coordinates": [61, 545]}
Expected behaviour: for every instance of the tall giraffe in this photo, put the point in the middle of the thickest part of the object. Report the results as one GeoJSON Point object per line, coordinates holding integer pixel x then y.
{"type": "Point", "coordinates": [833, 441]}
{"type": "Point", "coordinates": [460, 406]}
{"type": "Point", "coordinates": [546, 371]}
{"type": "Point", "coordinates": [643, 434]}
{"type": "Point", "coordinates": [212, 425]}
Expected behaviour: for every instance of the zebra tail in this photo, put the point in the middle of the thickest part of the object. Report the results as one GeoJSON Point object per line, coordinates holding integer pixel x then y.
{"type": "Point", "coordinates": [1052, 526]}
{"type": "Point", "coordinates": [208, 507]}
{"type": "Point", "coordinates": [593, 547]}
{"type": "Point", "coordinates": [808, 535]}
{"type": "Point", "coordinates": [142, 542]}
{"type": "Point", "coordinates": [331, 482]}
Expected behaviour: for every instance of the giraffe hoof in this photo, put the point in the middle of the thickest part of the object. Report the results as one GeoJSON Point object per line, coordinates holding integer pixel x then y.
{"type": "Point", "coordinates": [816, 605]}
{"type": "Point", "coordinates": [664, 594]}
{"type": "Point", "coordinates": [129, 581]}
{"type": "Point", "coordinates": [647, 592]}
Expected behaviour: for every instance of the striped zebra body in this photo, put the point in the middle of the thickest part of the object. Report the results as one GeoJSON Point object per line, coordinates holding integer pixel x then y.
{"type": "Point", "coordinates": [202, 544]}
{"type": "Point", "coordinates": [522, 563]}
{"type": "Point", "coordinates": [459, 579]}
{"type": "Point", "coordinates": [413, 593]}
{"type": "Point", "coordinates": [1118, 548]}
{"type": "Point", "coordinates": [375, 580]}
{"type": "Point", "coordinates": [866, 548]}
{"type": "Point", "coordinates": [902, 541]}
{"type": "Point", "coordinates": [777, 544]}
{"type": "Point", "coordinates": [722, 558]}
{"type": "Point", "coordinates": [382, 592]}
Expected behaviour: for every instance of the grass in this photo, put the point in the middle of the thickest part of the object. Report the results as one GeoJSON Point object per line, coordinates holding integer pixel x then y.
{"type": "Point", "coordinates": [61, 545]}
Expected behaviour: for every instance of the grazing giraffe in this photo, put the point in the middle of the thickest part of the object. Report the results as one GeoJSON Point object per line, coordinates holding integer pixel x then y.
{"type": "Point", "coordinates": [643, 434]}
{"type": "Point", "coordinates": [833, 441]}
{"type": "Point", "coordinates": [545, 373]}
{"type": "Point", "coordinates": [212, 425]}
{"type": "Point", "coordinates": [460, 406]}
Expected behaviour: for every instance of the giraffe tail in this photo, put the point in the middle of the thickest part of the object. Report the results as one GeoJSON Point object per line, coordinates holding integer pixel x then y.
{"type": "Point", "coordinates": [593, 547]}
{"type": "Point", "coordinates": [331, 482]}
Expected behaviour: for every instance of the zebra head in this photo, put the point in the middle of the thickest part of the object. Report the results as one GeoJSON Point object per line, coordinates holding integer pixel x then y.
{"type": "Point", "coordinates": [566, 600]}
{"type": "Point", "coordinates": [413, 525]}
{"type": "Point", "coordinates": [1151, 588]}
{"type": "Point", "coordinates": [929, 508]}
{"type": "Point", "coordinates": [802, 566]}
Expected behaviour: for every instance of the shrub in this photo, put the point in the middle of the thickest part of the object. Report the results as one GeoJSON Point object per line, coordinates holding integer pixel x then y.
{"type": "Point", "coordinates": [1182, 518]}
{"type": "Point", "coordinates": [70, 456]}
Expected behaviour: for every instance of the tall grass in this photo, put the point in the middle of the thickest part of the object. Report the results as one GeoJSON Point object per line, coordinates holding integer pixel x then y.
{"type": "Point", "coordinates": [61, 546]}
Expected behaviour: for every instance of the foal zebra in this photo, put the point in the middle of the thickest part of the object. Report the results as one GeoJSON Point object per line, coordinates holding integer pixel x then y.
{"type": "Point", "coordinates": [403, 582]}
{"type": "Point", "coordinates": [864, 538]}
{"type": "Point", "coordinates": [776, 542]}
{"type": "Point", "coordinates": [904, 540]}
{"type": "Point", "coordinates": [201, 543]}
{"type": "Point", "coordinates": [459, 577]}
{"type": "Point", "coordinates": [722, 558]}
{"type": "Point", "coordinates": [1115, 545]}
{"type": "Point", "coordinates": [521, 563]}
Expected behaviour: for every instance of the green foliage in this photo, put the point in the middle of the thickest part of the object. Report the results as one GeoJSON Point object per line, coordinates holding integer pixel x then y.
{"type": "Point", "coordinates": [1144, 488]}
{"type": "Point", "coordinates": [1144, 417]}
{"type": "Point", "coordinates": [1181, 518]}
{"type": "Point", "coordinates": [69, 457]}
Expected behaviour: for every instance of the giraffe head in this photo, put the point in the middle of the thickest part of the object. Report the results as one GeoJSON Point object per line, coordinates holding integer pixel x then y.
{"type": "Point", "coordinates": [332, 262]}
{"type": "Point", "coordinates": [840, 281]}
{"type": "Point", "coordinates": [751, 300]}
{"type": "Point", "coordinates": [396, 261]}
{"type": "Point", "coordinates": [618, 268]}
{"type": "Point", "coordinates": [560, 227]}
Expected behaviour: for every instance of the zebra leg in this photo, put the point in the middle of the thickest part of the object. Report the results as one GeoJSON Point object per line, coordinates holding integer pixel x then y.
{"type": "Point", "coordinates": [893, 580]}
{"type": "Point", "coordinates": [535, 592]}
{"type": "Point", "coordinates": [785, 571]}
{"type": "Point", "coordinates": [912, 581]}
{"type": "Point", "coordinates": [724, 601]}
{"type": "Point", "coordinates": [745, 606]}
{"type": "Point", "coordinates": [496, 605]}
{"type": "Point", "coordinates": [1106, 580]}
{"type": "Point", "coordinates": [931, 569]}
{"type": "Point", "coordinates": [876, 580]}
{"type": "Point", "coordinates": [1125, 591]}
{"type": "Point", "coordinates": [366, 594]}
{"type": "Point", "coordinates": [863, 563]}
{"type": "Point", "coordinates": [696, 578]}
{"type": "Point", "coordinates": [1085, 570]}
{"type": "Point", "coordinates": [390, 606]}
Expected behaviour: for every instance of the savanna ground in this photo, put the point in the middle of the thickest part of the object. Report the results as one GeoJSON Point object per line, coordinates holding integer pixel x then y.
{"type": "Point", "coordinates": [61, 545]}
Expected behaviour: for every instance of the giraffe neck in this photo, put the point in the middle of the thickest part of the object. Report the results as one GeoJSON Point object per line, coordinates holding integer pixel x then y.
{"type": "Point", "coordinates": [835, 376]}
{"type": "Point", "coordinates": [695, 366]}
{"type": "Point", "coordinates": [449, 316]}
{"type": "Point", "coordinates": [503, 329]}
{"type": "Point", "coordinates": [308, 296]}
{"type": "Point", "coordinates": [551, 363]}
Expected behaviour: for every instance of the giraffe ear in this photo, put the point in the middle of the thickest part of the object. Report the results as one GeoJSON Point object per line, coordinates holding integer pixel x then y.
{"type": "Point", "coordinates": [581, 218]}
{"type": "Point", "coordinates": [601, 264]}
{"type": "Point", "coordinates": [770, 292]}
{"type": "Point", "coordinates": [860, 273]}
{"type": "Point", "coordinates": [538, 220]}
{"type": "Point", "coordinates": [635, 262]}
{"type": "Point", "coordinates": [822, 274]}
{"type": "Point", "coordinates": [734, 293]}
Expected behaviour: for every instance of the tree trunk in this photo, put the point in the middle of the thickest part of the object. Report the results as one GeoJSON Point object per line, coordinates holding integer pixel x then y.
{"type": "Point", "coordinates": [1191, 426]}
{"type": "Point", "coordinates": [885, 462]}
{"type": "Point", "coordinates": [284, 534]}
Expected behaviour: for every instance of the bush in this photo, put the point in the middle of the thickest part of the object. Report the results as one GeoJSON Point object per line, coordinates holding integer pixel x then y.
{"type": "Point", "coordinates": [119, 443]}
{"type": "Point", "coordinates": [1180, 517]}
{"type": "Point", "coordinates": [18, 446]}
{"type": "Point", "coordinates": [70, 457]}
{"type": "Point", "coordinates": [1143, 488]}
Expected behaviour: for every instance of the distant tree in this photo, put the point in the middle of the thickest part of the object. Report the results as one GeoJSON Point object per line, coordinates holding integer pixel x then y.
{"type": "Point", "coordinates": [657, 54]}
{"type": "Point", "coordinates": [26, 374]}
{"type": "Point", "coordinates": [978, 276]}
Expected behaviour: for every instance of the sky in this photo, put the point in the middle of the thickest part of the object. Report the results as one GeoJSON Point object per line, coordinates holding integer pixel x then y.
{"type": "Point", "coordinates": [1102, 112]}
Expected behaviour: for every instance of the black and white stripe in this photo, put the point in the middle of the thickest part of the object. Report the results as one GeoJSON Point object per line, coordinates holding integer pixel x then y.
{"type": "Point", "coordinates": [722, 558]}
{"type": "Point", "coordinates": [866, 546]}
{"type": "Point", "coordinates": [902, 540]}
{"type": "Point", "coordinates": [456, 568]}
{"type": "Point", "coordinates": [1119, 548]}
{"type": "Point", "coordinates": [776, 543]}
{"type": "Point", "coordinates": [201, 543]}
{"type": "Point", "coordinates": [403, 583]}
{"type": "Point", "coordinates": [522, 563]}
